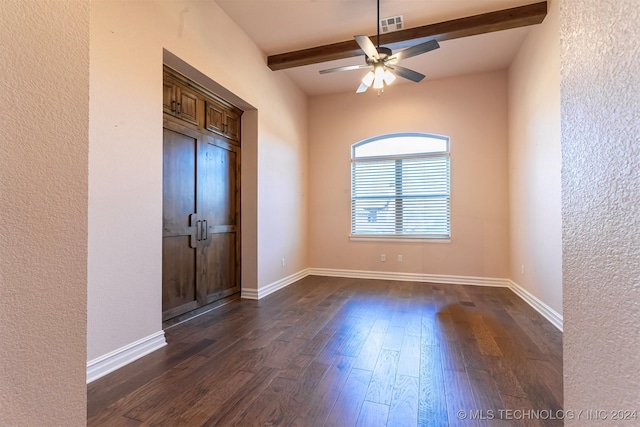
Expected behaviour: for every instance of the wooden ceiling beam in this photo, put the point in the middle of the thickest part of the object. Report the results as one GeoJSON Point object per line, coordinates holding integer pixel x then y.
{"type": "Point", "coordinates": [464, 27]}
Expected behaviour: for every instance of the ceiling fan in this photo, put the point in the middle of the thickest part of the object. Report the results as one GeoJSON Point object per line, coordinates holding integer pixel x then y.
{"type": "Point", "coordinates": [383, 62]}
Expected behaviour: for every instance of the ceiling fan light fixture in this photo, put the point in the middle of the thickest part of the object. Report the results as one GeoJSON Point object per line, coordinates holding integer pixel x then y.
{"type": "Point", "coordinates": [388, 77]}
{"type": "Point", "coordinates": [378, 81]}
{"type": "Point", "coordinates": [382, 62]}
{"type": "Point", "coordinates": [368, 78]}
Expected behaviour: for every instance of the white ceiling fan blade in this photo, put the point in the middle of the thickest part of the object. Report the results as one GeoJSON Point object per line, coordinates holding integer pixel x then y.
{"type": "Point", "coordinates": [362, 88]}
{"type": "Point", "coordinates": [415, 50]}
{"type": "Point", "coordinates": [345, 68]}
{"type": "Point", "coordinates": [367, 47]}
{"type": "Point", "coordinates": [408, 74]}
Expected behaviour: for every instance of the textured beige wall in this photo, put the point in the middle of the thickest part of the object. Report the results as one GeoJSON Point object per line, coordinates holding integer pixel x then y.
{"type": "Point", "coordinates": [534, 163]}
{"type": "Point", "coordinates": [600, 107]}
{"type": "Point", "coordinates": [472, 111]}
{"type": "Point", "coordinates": [125, 159]}
{"type": "Point", "coordinates": [44, 113]}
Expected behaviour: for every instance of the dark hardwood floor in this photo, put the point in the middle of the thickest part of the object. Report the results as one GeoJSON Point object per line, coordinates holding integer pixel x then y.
{"type": "Point", "coordinates": [347, 352]}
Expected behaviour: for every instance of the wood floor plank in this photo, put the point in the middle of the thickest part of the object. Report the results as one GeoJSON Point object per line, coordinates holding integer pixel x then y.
{"type": "Point", "coordinates": [409, 360]}
{"type": "Point", "coordinates": [335, 351]}
{"type": "Point", "coordinates": [519, 336]}
{"type": "Point", "coordinates": [373, 415]}
{"type": "Point", "coordinates": [413, 324]}
{"type": "Point", "coordinates": [200, 411]}
{"type": "Point", "coordinates": [308, 382]}
{"type": "Point", "coordinates": [368, 356]}
{"type": "Point", "coordinates": [295, 366]}
{"type": "Point", "coordinates": [459, 399]}
{"type": "Point", "coordinates": [317, 407]}
{"type": "Point", "coordinates": [383, 378]}
{"type": "Point", "coordinates": [393, 338]}
{"type": "Point", "coordinates": [233, 406]}
{"type": "Point", "coordinates": [551, 376]}
{"type": "Point", "coordinates": [472, 354]}
{"type": "Point", "coordinates": [147, 400]}
{"type": "Point", "coordinates": [266, 356]}
{"type": "Point", "coordinates": [529, 376]}
{"type": "Point", "coordinates": [346, 410]}
{"type": "Point", "coordinates": [446, 329]}
{"type": "Point", "coordinates": [403, 410]}
{"type": "Point", "coordinates": [330, 349]}
{"type": "Point", "coordinates": [317, 343]}
{"type": "Point", "coordinates": [432, 408]}
{"type": "Point", "coordinates": [548, 340]}
{"type": "Point", "coordinates": [503, 377]}
{"type": "Point", "coordinates": [486, 397]}
{"type": "Point", "coordinates": [117, 420]}
{"type": "Point", "coordinates": [270, 407]}
{"type": "Point", "coordinates": [513, 404]}
{"type": "Point", "coordinates": [452, 359]}
{"type": "Point", "coordinates": [481, 333]}
{"type": "Point", "coordinates": [380, 325]}
{"type": "Point", "coordinates": [357, 335]}
{"type": "Point", "coordinates": [494, 324]}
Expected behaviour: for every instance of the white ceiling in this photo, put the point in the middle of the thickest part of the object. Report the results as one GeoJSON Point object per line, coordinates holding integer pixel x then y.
{"type": "Point", "coordinates": [279, 26]}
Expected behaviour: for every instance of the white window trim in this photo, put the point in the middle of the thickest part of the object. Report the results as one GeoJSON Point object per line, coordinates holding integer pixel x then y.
{"type": "Point", "coordinates": [398, 238]}
{"type": "Point", "coordinates": [412, 238]}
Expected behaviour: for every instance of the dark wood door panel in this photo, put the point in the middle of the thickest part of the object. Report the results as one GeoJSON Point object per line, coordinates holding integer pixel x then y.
{"type": "Point", "coordinates": [233, 125]}
{"type": "Point", "coordinates": [217, 179]}
{"type": "Point", "coordinates": [188, 106]}
{"type": "Point", "coordinates": [178, 272]}
{"type": "Point", "coordinates": [217, 182]}
{"type": "Point", "coordinates": [214, 117]}
{"type": "Point", "coordinates": [222, 120]}
{"type": "Point", "coordinates": [178, 207]}
{"type": "Point", "coordinates": [169, 97]}
{"type": "Point", "coordinates": [178, 179]}
{"type": "Point", "coordinates": [219, 269]}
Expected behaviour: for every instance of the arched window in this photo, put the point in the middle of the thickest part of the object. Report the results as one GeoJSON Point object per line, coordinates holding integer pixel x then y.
{"type": "Point", "coordinates": [400, 186]}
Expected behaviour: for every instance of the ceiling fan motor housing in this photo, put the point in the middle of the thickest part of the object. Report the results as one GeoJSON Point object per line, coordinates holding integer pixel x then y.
{"type": "Point", "coordinates": [383, 53]}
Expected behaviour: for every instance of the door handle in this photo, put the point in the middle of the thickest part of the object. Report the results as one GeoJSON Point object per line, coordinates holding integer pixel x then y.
{"type": "Point", "coordinates": [202, 232]}
{"type": "Point", "coordinates": [198, 230]}
{"type": "Point", "coordinates": [193, 237]}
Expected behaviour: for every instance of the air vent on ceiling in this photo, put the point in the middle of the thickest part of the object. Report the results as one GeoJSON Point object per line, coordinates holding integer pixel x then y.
{"type": "Point", "coordinates": [394, 23]}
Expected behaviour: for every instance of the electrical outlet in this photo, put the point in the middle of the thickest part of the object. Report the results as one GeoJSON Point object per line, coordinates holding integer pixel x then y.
{"type": "Point", "coordinates": [399, 258]}
{"type": "Point", "coordinates": [283, 262]}
{"type": "Point", "coordinates": [383, 258]}
{"type": "Point", "coordinates": [522, 269]}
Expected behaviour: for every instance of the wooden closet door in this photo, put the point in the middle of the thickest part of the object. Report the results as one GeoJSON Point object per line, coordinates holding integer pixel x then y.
{"type": "Point", "coordinates": [218, 196]}
{"type": "Point", "coordinates": [201, 217]}
{"type": "Point", "coordinates": [179, 281]}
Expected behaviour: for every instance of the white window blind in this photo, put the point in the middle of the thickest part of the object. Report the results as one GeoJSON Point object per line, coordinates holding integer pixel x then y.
{"type": "Point", "coordinates": [400, 186]}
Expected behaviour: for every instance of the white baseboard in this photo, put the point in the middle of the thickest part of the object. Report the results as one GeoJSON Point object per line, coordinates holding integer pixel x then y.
{"type": "Point", "coordinates": [272, 287]}
{"type": "Point", "coordinates": [410, 277]}
{"type": "Point", "coordinates": [108, 363]}
{"type": "Point", "coordinates": [550, 314]}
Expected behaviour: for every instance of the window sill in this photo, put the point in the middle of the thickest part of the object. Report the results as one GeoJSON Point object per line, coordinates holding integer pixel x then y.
{"type": "Point", "coordinates": [403, 239]}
